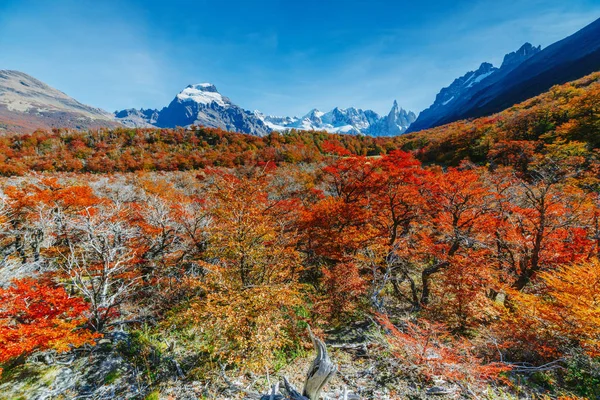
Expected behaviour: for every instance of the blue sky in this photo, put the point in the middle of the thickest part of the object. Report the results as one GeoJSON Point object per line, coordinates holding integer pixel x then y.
{"type": "Point", "coordinates": [281, 57]}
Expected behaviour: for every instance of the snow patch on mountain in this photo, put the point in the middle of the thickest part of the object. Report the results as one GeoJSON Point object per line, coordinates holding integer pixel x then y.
{"type": "Point", "coordinates": [448, 101]}
{"type": "Point", "coordinates": [478, 78]}
{"type": "Point", "coordinates": [203, 93]}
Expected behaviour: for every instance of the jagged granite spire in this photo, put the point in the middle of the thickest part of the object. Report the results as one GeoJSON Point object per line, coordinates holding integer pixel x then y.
{"type": "Point", "coordinates": [515, 58]}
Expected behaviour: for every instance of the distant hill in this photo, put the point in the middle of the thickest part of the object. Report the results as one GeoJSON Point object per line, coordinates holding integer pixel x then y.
{"type": "Point", "coordinates": [27, 104]}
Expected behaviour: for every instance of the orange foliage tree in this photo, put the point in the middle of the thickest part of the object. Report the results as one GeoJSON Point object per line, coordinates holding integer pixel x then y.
{"type": "Point", "coordinates": [38, 315]}
{"type": "Point", "coordinates": [431, 351]}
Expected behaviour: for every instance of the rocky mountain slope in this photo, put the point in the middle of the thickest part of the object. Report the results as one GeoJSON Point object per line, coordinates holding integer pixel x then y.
{"type": "Point", "coordinates": [202, 104]}
{"type": "Point", "coordinates": [457, 96]}
{"type": "Point", "coordinates": [199, 104]}
{"type": "Point", "coordinates": [27, 104]}
{"type": "Point", "coordinates": [523, 74]}
{"type": "Point", "coordinates": [563, 61]}
{"type": "Point", "coordinates": [137, 118]}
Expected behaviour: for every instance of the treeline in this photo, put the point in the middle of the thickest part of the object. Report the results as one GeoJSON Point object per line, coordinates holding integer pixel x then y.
{"type": "Point", "coordinates": [128, 150]}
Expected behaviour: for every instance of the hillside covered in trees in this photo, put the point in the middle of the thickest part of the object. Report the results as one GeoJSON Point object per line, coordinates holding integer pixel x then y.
{"type": "Point", "coordinates": [458, 261]}
{"type": "Point", "coordinates": [566, 113]}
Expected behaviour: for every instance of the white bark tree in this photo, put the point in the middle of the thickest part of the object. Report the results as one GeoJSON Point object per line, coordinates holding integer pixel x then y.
{"type": "Point", "coordinates": [99, 263]}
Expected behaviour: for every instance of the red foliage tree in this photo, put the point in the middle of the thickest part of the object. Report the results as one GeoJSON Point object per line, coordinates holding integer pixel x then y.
{"type": "Point", "coordinates": [37, 315]}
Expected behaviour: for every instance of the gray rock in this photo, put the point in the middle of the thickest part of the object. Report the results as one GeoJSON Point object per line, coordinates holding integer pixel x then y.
{"type": "Point", "coordinates": [438, 391]}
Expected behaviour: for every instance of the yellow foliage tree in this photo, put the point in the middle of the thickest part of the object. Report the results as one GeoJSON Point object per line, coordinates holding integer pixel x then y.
{"type": "Point", "coordinates": [247, 315]}
{"type": "Point", "coordinates": [566, 315]}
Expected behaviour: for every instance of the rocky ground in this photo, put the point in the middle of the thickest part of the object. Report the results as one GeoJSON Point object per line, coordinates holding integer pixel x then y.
{"type": "Point", "coordinates": [365, 371]}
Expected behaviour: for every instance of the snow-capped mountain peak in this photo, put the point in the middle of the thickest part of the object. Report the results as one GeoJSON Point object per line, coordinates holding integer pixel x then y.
{"type": "Point", "coordinates": [314, 113]}
{"type": "Point", "coordinates": [206, 86]}
{"type": "Point", "coordinates": [398, 120]}
{"type": "Point", "coordinates": [203, 93]}
{"type": "Point", "coordinates": [199, 104]}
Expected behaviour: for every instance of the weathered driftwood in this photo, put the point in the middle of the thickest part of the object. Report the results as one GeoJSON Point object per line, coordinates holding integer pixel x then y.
{"type": "Point", "coordinates": [290, 391]}
{"type": "Point", "coordinates": [320, 372]}
{"type": "Point", "coordinates": [318, 375]}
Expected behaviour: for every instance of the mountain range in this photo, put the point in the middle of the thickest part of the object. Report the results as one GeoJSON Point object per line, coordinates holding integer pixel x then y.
{"type": "Point", "coordinates": [346, 120]}
{"type": "Point", "coordinates": [457, 96]}
{"type": "Point", "coordinates": [27, 103]}
{"type": "Point", "coordinates": [202, 104]}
